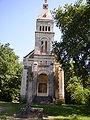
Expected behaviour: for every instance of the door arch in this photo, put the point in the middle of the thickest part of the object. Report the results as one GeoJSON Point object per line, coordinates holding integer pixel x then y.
{"type": "Point", "coordinates": [42, 85]}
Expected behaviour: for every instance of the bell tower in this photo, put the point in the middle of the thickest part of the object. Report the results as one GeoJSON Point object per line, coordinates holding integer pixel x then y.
{"type": "Point", "coordinates": [44, 35]}
{"type": "Point", "coordinates": [43, 57]}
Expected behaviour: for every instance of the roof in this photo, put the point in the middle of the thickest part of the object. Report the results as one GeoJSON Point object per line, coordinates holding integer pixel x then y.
{"type": "Point", "coordinates": [30, 55]}
{"type": "Point", "coordinates": [45, 14]}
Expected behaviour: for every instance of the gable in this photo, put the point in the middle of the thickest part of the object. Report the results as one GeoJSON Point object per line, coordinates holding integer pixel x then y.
{"type": "Point", "coordinates": [30, 55]}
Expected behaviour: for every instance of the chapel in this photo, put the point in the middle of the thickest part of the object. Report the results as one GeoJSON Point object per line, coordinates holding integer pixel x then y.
{"type": "Point", "coordinates": [42, 75]}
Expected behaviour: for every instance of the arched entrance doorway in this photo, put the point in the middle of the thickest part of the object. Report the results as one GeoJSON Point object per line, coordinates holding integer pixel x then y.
{"type": "Point", "coordinates": [42, 85]}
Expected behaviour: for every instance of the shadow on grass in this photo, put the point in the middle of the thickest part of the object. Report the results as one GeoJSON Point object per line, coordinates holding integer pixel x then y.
{"type": "Point", "coordinates": [11, 108]}
{"type": "Point", "coordinates": [62, 112]}
{"type": "Point", "coordinates": [65, 110]}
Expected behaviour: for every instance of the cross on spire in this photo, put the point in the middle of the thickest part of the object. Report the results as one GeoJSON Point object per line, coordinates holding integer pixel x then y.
{"type": "Point", "coordinates": [45, 5]}
{"type": "Point", "coordinates": [45, 1]}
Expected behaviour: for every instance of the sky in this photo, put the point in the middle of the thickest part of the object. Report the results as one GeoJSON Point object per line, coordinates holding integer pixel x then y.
{"type": "Point", "coordinates": [18, 22]}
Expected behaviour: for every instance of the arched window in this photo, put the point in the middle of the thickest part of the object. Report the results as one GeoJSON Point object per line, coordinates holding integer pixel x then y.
{"type": "Point", "coordinates": [41, 46]}
{"type": "Point", "coordinates": [46, 28]}
{"type": "Point", "coordinates": [40, 28]}
{"type": "Point", "coordinates": [43, 28]}
{"type": "Point", "coordinates": [45, 46]}
{"type": "Point", "coordinates": [49, 28]}
{"type": "Point", "coordinates": [41, 62]}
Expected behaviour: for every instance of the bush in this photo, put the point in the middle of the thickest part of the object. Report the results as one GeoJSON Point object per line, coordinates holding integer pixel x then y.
{"type": "Point", "coordinates": [3, 117]}
{"type": "Point", "coordinates": [59, 102]}
{"type": "Point", "coordinates": [87, 97]}
{"type": "Point", "coordinates": [74, 117]}
{"type": "Point", "coordinates": [79, 94]}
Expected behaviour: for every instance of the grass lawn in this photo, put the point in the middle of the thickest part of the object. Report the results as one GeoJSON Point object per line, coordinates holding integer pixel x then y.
{"type": "Point", "coordinates": [67, 112]}
{"type": "Point", "coordinates": [10, 109]}
{"type": "Point", "coordinates": [64, 112]}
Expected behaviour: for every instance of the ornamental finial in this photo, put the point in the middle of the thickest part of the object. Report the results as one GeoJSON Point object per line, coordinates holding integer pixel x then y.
{"type": "Point", "coordinates": [45, 1]}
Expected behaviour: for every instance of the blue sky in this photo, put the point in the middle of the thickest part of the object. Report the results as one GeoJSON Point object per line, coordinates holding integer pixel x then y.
{"type": "Point", "coordinates": [18, 20]}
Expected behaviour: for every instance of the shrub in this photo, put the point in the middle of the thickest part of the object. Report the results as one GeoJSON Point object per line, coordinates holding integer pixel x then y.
{"type": "Point", "coordinates": [87, 97]}
{"type": "Point", "coordinates": [59, 102]}
{"type": "Point", "coordinates": [74, 117]}
{"type": "Point", "coordinates": [79, 94]}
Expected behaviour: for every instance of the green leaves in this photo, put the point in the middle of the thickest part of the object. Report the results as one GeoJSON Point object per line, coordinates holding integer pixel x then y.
{"type": "Point", "coordinates": [73, 51]}
{"type": "Point", "coordinates": [79, 94]}
{"type": "Point", "coordinates": [10, 73]}
{"type": "Point", "coordinates": [73, 20]}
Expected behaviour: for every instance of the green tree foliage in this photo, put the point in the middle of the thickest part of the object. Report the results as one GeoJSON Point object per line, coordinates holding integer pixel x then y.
{"type": "Point", "coordinates": [88, 1]}
{"type": "Point", "coordinates": [10, 74]}
{"type": "Point", "coordinates": [73, 52]}
{"type": "Point", "coordinates": [79, 94]}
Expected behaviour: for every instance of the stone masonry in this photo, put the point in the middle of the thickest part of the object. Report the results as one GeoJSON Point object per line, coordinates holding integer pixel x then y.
{"type": "Point", "coordinates": [42, 76]}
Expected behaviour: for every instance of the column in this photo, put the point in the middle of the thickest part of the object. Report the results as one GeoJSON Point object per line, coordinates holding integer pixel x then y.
{"type": "Point", "coordinates": [23, 83]}
{"type": "Point", "coordinates": [61, 84]}
{"type": "Point", "coordinates": [30, 83]}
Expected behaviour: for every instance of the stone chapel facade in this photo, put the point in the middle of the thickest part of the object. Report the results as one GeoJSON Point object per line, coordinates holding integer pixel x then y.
{"type": "Point", "coordinates": [42, 76]}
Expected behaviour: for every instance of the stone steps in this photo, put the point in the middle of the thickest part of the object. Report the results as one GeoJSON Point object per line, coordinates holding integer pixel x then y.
{"type": "Point", "coordinates": [43, 99]}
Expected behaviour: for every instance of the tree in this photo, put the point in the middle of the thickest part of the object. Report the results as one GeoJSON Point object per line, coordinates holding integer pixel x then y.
{"type": "Point", "coordinates": [88, 1]}
{"type": "Point", "coordinates": [10, 74]}
{"type": "Point", "coordinates": [79, 94]}
{"type": "Point", "coordinates": [74, 47]}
